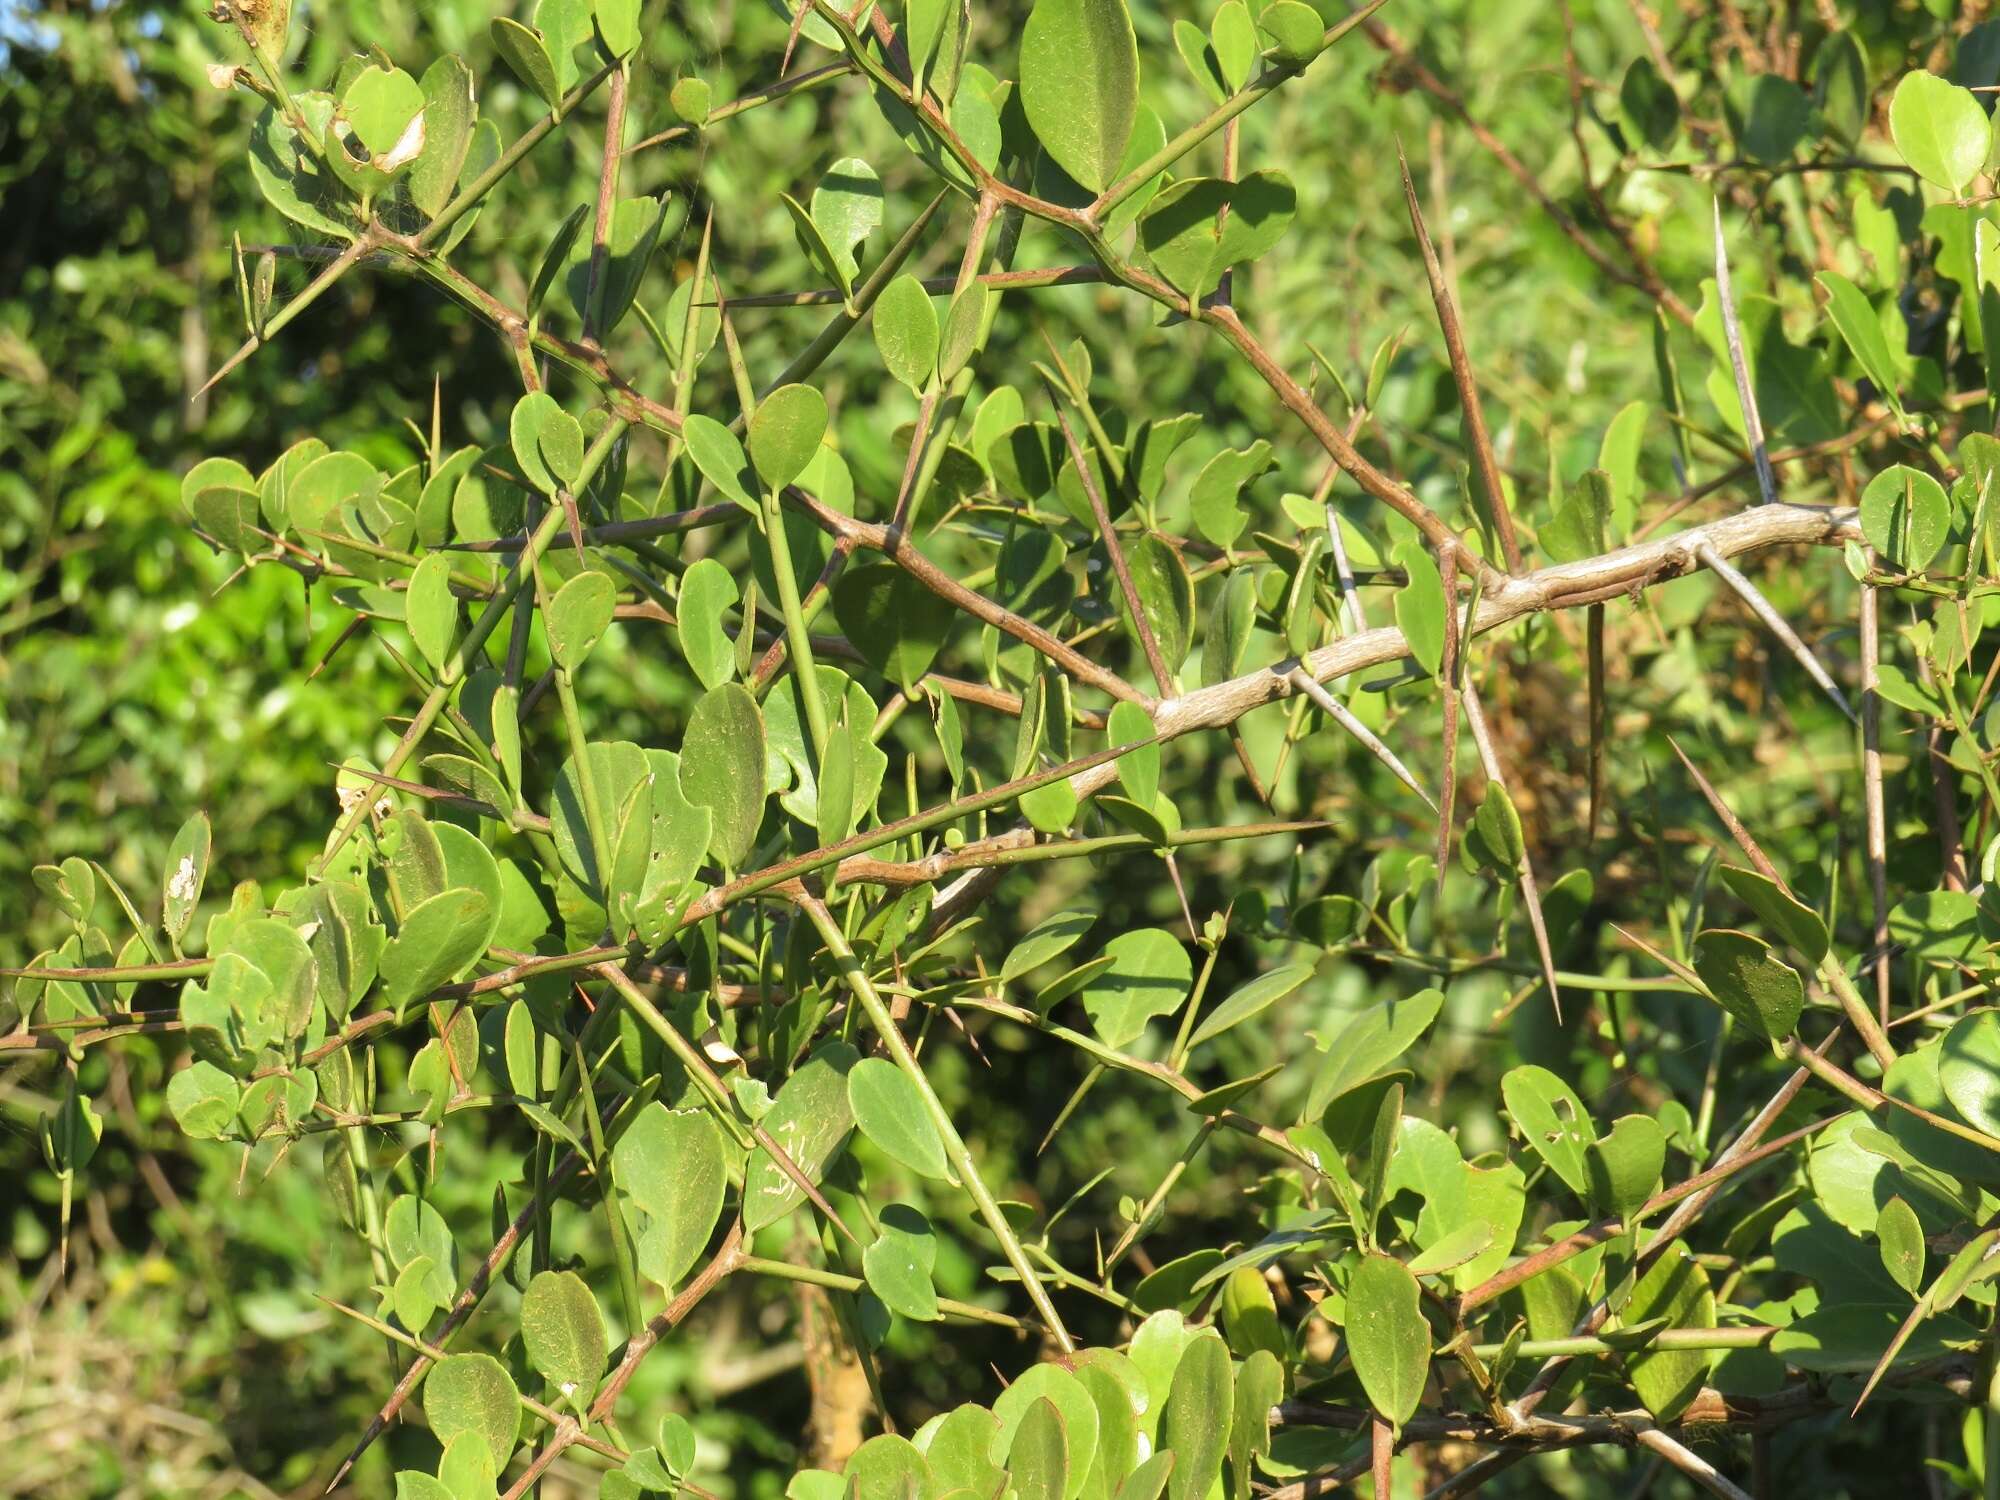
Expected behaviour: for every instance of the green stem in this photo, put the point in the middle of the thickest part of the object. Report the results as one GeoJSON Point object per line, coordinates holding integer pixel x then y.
{"type": "Point", "coordinates": [834, 1281]}
{"type": "Point", "coordinates": [1667, 1338]}
{"type": "Point", "coordinates": [956, 1151]}
{"type": "Point", "coordinates": [798, 636]}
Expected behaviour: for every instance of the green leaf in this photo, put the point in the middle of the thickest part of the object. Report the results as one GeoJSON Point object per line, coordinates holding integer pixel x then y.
{"type": "Point", "coordinates": [467, 1469]}
{"type": "Point", "coordinates": [1493, 838]}
{"type": "Point", "coordinates": [1969, 1069]}
{"type": "Point", "coordinates": [1363, 1049]}
{"type": "Point", "coordinates": [1769, 116]}
{"type": "Point", "coordinates": [673, 1165]}
{"type": "Point", "coordinates": [1940, 130]}
{"type": "Point", "coordinates": [474, 1393]}
{"type": "Point", "coordinates": [1905, 515]}
{"type": "Point", "coordinates": [563, 1332]}
{"type": "Point", "coordinates": [1294, 29]}
{"type": "Point", "coordinates": [1038, 1463]}
{"type": "Point", "coordinates": [449, 114]}
{"type": "Point", "coordinates": [634, 233]}
{"type": "Point", "coordinates": [430, 610]}
{"type": "Point", "coordinates": [438, 941]}
{"type": "Point", "coordinates": [708, 593]}
{"type": "Point", "coordinates": [964, 316]}
{"type": "Point", "coordinates": [846, 209]}
{"type": "Point", "coordinates": [1553, 1121]}
{"type": "Point", "coordinates": [960, 1451]}
{"type": "Point", "coordinates": [720, 458]}
{"type": "Point", "coordinates": [577, 617]}
{"type": "Point", "coordinates": [890, 1110]}
{"type": "Point", "coordinates": [1251, 999]}
{"type": "Point", "coordinates": [1901, 1238]}
{"type": "Point", "coordinates": [1788, 918]}
{"type": "Point", "coordinates": [1063, 1390]}
{"type": "Point", "coordinates": [722, 769]}
{"type": "Point", "coordinates": [1194, 1423]}
{"type": "Point", "coordinates": [382, 106]}
{"type": "Point", "coordinates": [898, 1265]}
{"type": "Point", "coordinates": [1140, 770]}
{"type": "Point", "coordinates": [1856, 319]}
{"type": "Point", "coordinates": [1387, 1336]}
{"type": "Point", "coordinates": [1189, 240]}
{"type": "Point", "coordinates": [1750, 981]}
{"type": "Point", "coordinates": [1676, 1290]}
{"type": "Point", "coordinates": [689, 100]}
{"type": "Point", "coordinates": [618, 24]}
{"type": "Point", "coordinates": [1149, 976]}
{"type": "Point", "coordinates": [897, 624]}
{"type": "Point", "coordinates": [1080, 85]}
{"type": "Point", "coordinates": [1624, 1166]}
{"type": "Point", "coordinates": [785, 433]}
{"type": "Point", "coordinates": [1840, 86]}
{"type": "Point", "coordinates": [1217, 490]}
{"type": "Point", "coordinates": [810, 1119]}
{"type": "Point", "coordinates": [1049, 939]}
{"type": "Point", "coordinates": [1651, 107]}
{"type": "Point", "coordinates": [1421, 605]}
{"type": "Point", "coordinates": [524, 52]}
{"type": "Point", "coordinates": [1197, 52]}
{"type": "Point", "coordinates": [414, 1484]}
{"type": "Point", "coordinates": [1166, 596]}
{"type": "Point", "coordinates": [186, 872]}
{"type": "Point", "coordinates": [547, 442]}
{"type": "Point", "coordinates": [906, 332]}
{"type": "Point", "coordinates": [203, 1099]}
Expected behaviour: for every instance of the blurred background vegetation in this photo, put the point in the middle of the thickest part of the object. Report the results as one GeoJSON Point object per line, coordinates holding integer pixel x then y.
{"type": "Point", "coordinates": [140, 679]}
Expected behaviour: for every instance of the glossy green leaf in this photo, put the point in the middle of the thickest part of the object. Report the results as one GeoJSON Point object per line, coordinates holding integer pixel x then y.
{"type": "Point", "coordinates": [1420, 606]}
{"type": "Point", "coordinates": [1675, 1289]}
{"type": "Point", "coordinates": [785, 434]}
{"type": "Point", "coordinates": [906, 331]}
{"type": "Point", "coordinates": [430, 609]}
{"type": "Point", "coordinates": [474, 1393]}
{"type": "Point", "coordinates": [1038, 1463]}
{"type": "Point", "coordinates": [1901, 1239]}
{"type": "Point", "coordinates": [1905, 516]}
{"type": "Point", "coordinates": [1295, 30]}
{"type": "Point", "coordinates": [1080, 85]}
{"type": "Point", "coordinates": [1940, 130]}
{"type": "Point", "coordinates": [673, 1165]}
{"type": "Point", "coordinates": [563, 1332]}
{"type": "Point", "coordinates": [898, 1265]}
{"type": "Point", "coordinates": [449, 115]}
{"type": "Point", "coordinates": [1553, 1121]}
{"type": "Point", "coordinates": [721, 459]}
{"type": "Point", "coordinates": [810, 1119]}
{"type": "Point", "coordinates": [708, 593]}
{"type": "Point", "coordinates": [722, 769]}
{"type": "Point", "coordinates": [1969, 1069]}
{"type": "Point", "coordinates": [897, 624]}
{"type": "Point", "coordinates": [1750, 981]}
{"type": "Point", "coordinates": [1194, 1422]}
{"type": "Point", "coordinates": [1387, 1337]}
{"type": "Point", "coordinates": [1367, 1044]}
{"type": "Point", "coordinates": [890, 1110]}
{"type": "Point", "coordinates": [1149, 976]}
{"type": "Point", "coordinates": [846, 209]}
{"type": "Point", "coordinates": [185, 875]}
{"type": "Point", "coordinates": [1248, 1000]}
{"type": "Point", "coordinates": [1788, 918]}
{"type": "Point", "coordinates": [1624, 1165]}
{"type": "Point", "coordinates": [577, 617]}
